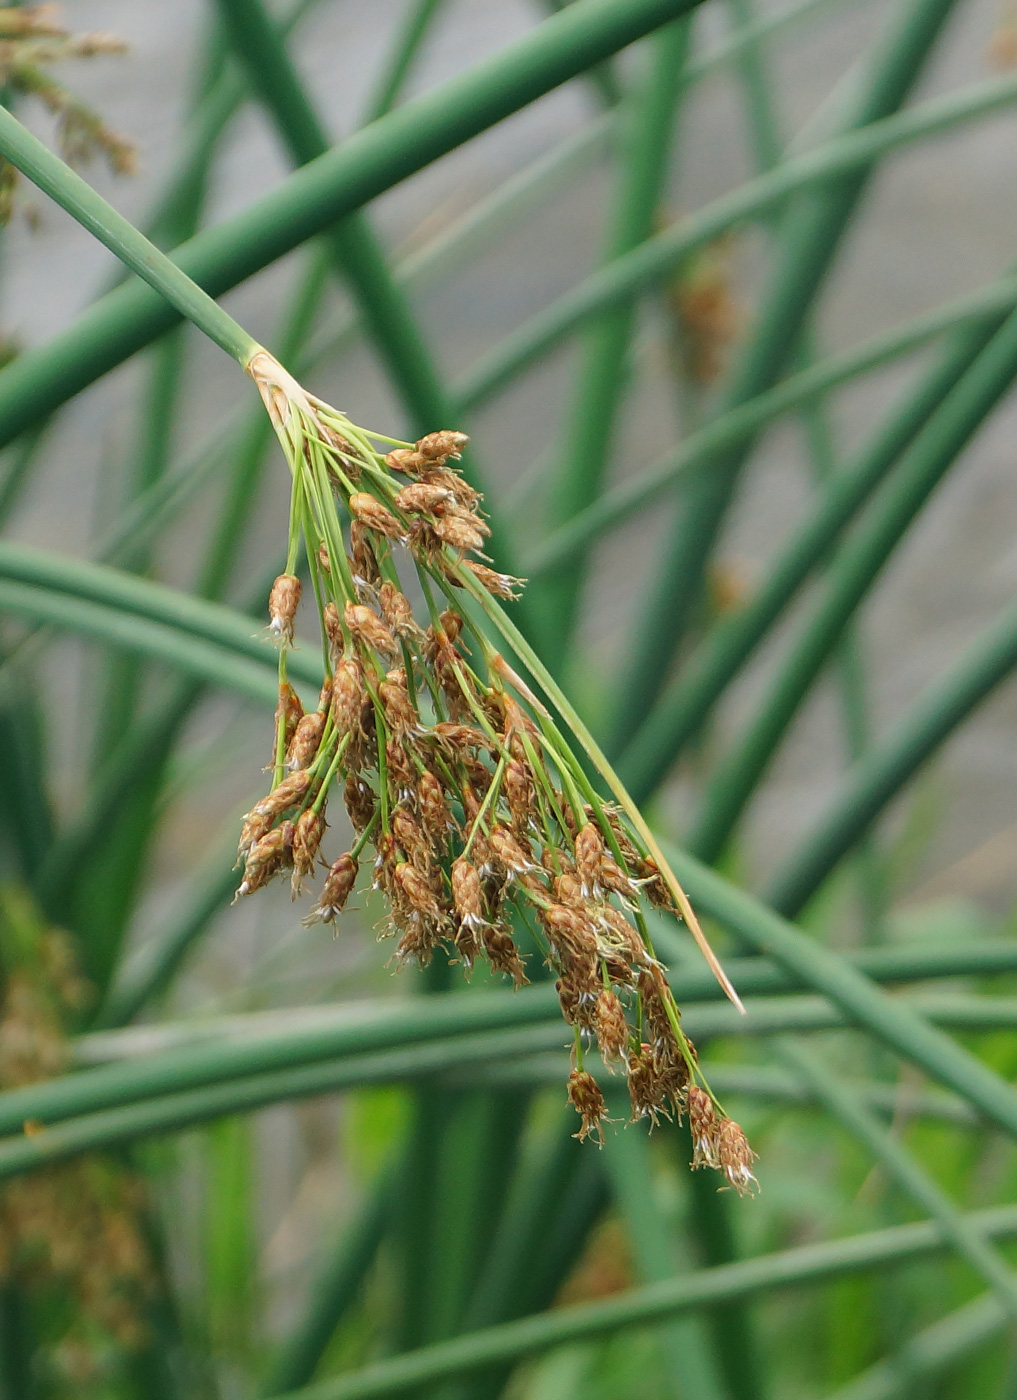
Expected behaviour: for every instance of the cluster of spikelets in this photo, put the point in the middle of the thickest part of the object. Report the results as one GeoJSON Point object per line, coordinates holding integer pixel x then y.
{"type": "Point", "coordinates": [73, 1228]}
{"type": "Point", "coordinates": [471, 813]}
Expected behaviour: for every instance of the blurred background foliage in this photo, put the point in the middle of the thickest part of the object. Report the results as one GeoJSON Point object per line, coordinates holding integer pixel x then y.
{"type": "Point", "coordinates": [725, 296]}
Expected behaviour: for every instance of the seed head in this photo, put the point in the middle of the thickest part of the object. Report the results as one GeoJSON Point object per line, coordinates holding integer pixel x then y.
{"type": "Point", "coordinates": [254, 828]}
{"type": "Point", "coordinates": [370, 512]}
{"type": "Point", "coordinates": [647, 1093]}
{"type": "Point", "coordinates": [360, 801]}
{"type": "Point", "coordinates": [416, 889]}
{"type": "Point", "coordinates": [519, 795]}
{"type": "Point", "coordinates": [586, 1098]}
{"type": "Point", "coordinates": [411, 840]}
{"type": "Point", "coordinates": [266, 858]}
{"type": "Point", "coordinates": [288, 712]}
{"type": "Point", "coordinates": [369, 629]}
{"type": "Point", "coordinates": [423, 497]}
{"type": "Point", "coordinates": [396, 610]}
{"type": "Point", "coordinates": [400, 716]}
{"type": "Point", "coordinates": [285, 794]}
{"type": "Point", "coordinates": [306, 740]}
{"type": "Point", "coordinates": [459, 531]}
{"type": "Point", "coordinates": [503, 954]}
{"type": "Point", "coordinates": [363, 560]}
{"type": "Point", "coordinates": [589, 854]}
{"type": "Point", "coordinates": [348, 695]}
{"type": "Point", "coordinates": [459, 489]}
{"type": "Point", "coordinates": [436, 447]}
{"type": "Point", "coordinates": [498, 585]}
{"type": "Point", "coordinates": [704, 1126]}
{"type": "Point", "coordinates": [508, 851]}
{"type": "Point", "coordinates": [405, 460]}
{"type": "Point", "coordinates": [333, 631]}
{"type": "Point", "coordinates": [283, 602]}
{"type": "Point", "coordinates": [611, 1026]}
{"type": "Point", "coordinates": [307, 834]}
{"type": "Point", "coordinates": [434, 812]}
{"type": "Point", "coordinates": [339, 884]}
{"type": "Point", "coordinates": [736, 1157]}
{"type": "Point", "coordinates": [402, 775]}
{"type": "Point", "coordinates": [467, 893]}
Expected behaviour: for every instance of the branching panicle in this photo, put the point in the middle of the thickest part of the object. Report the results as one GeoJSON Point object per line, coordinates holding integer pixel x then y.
{"type": "Point", "coordinates": [479, 811]}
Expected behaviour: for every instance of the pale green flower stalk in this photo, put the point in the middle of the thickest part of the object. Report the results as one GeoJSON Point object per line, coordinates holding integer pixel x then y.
{"type": "Point", "coordinates": [473, 802]}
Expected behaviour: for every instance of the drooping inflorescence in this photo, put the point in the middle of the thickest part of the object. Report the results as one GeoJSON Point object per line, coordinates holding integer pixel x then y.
{"type": "Point", "coordinates": [472, 813]}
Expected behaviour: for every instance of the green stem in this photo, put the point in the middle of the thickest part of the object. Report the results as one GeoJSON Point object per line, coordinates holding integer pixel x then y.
{"type": "Point", "coordinates": [684, 705]}
{"type": "Point", "coordinates": [857, 1119]}
{"type": "Point", "coordinates": [850, 577]}
{"type": "Point", "coordinates": [646, 120]}
{"type": "Point", "coordinates": [924, 1357]}
{"type": "Point", "coordinates": [656, 259]}
{"type": "Point", "coordinates": [639, 1307]}
{"type": "Point", "coordinates": [987, 307]}
{"type": "Point", "coordinates": [810, 237]}
{"type": "Point", "coordinates": [56, 179]}
{"type": "Point", "coordinates": [336, 184]}
{"type": "Point", "coordinates": [891, 763]}
{"type": "Point", "coordinates": [334, 1291]}
{"type": "Point", "coordinates": [416, 22]}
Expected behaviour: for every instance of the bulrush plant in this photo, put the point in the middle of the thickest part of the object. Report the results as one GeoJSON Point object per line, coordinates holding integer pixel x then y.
{"type": "Point", "coordinates": [471, 809]}
{"type": "Point", "coordinates": [469, 804]}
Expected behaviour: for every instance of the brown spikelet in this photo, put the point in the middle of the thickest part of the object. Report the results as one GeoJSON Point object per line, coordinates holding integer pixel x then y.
{"type": "Point", "coordinates": [368, 628]}
{"type": "Point", "coordinates": [498, 585]}
{"type": "Point", "coordinates": [647, 1092]}
{"type": "Point", "coordinates": [459, 531]}
{"type": "Point", "coordinates": [348, 695]}
{"type": "Point", "coordinates": [704, 1126]}
{"type": "Point", "coordinates": [423, 497]}
{"type": "Point", "coordinates": [306, 740]}
{"type": "Point", "coordinates": [360, 801]}
{"type": "Point", "coordinates": [370, 512]}
{"type": "Point", "coordinates": [407, 461]}
{"type": "Point", "coordinates": [467, 892]}
{"type": "Point", "coordinates": [509, 851]}
{"type": "Point", "coordinates": [288, 713]}
{"type": "Point", "coordinates": [436, 447]}
{"type": "Point", "coordinates": [266, 858]}
{"type": "Point", "coordinates": [434, 810]}
{"type": "Point", "coordinates": [333, 632]}
{"type": "Point", "coordinates": [363, 560]}
{"type": "Point", "coordinates": [284, 795]}
{"type": "Point", "coordinates": [611, 1026]}
{"type": "Point", "coordinates": [519, 794]}
{"type": "Point", "coordinates": [416, 889]}
{"type": "Point", "coordinates": [589, 854]}
{"type": "Point", "coordinates": [586, 1098]}
{"type": "Point", "coordinates": [411, 840]}
{"type": "Point", "coordinates": [400, 716]}
{"type": "Point", "coordinates": [458, 488]}
{"type": "Point", "coordinates": [307, 834]}
{"type": "Point", "coordinates": [735, 1157]}
{"type": "Point", "coordinates": [503, 955]}
{"type": "Point", "coordinates": [396, 610]}
{"type": "Point", "coordinates": [253, 829]}
{"type": "Point", "coordinates": [340, 883]}
{"type": "Point", "coordinates": [283, 602]}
